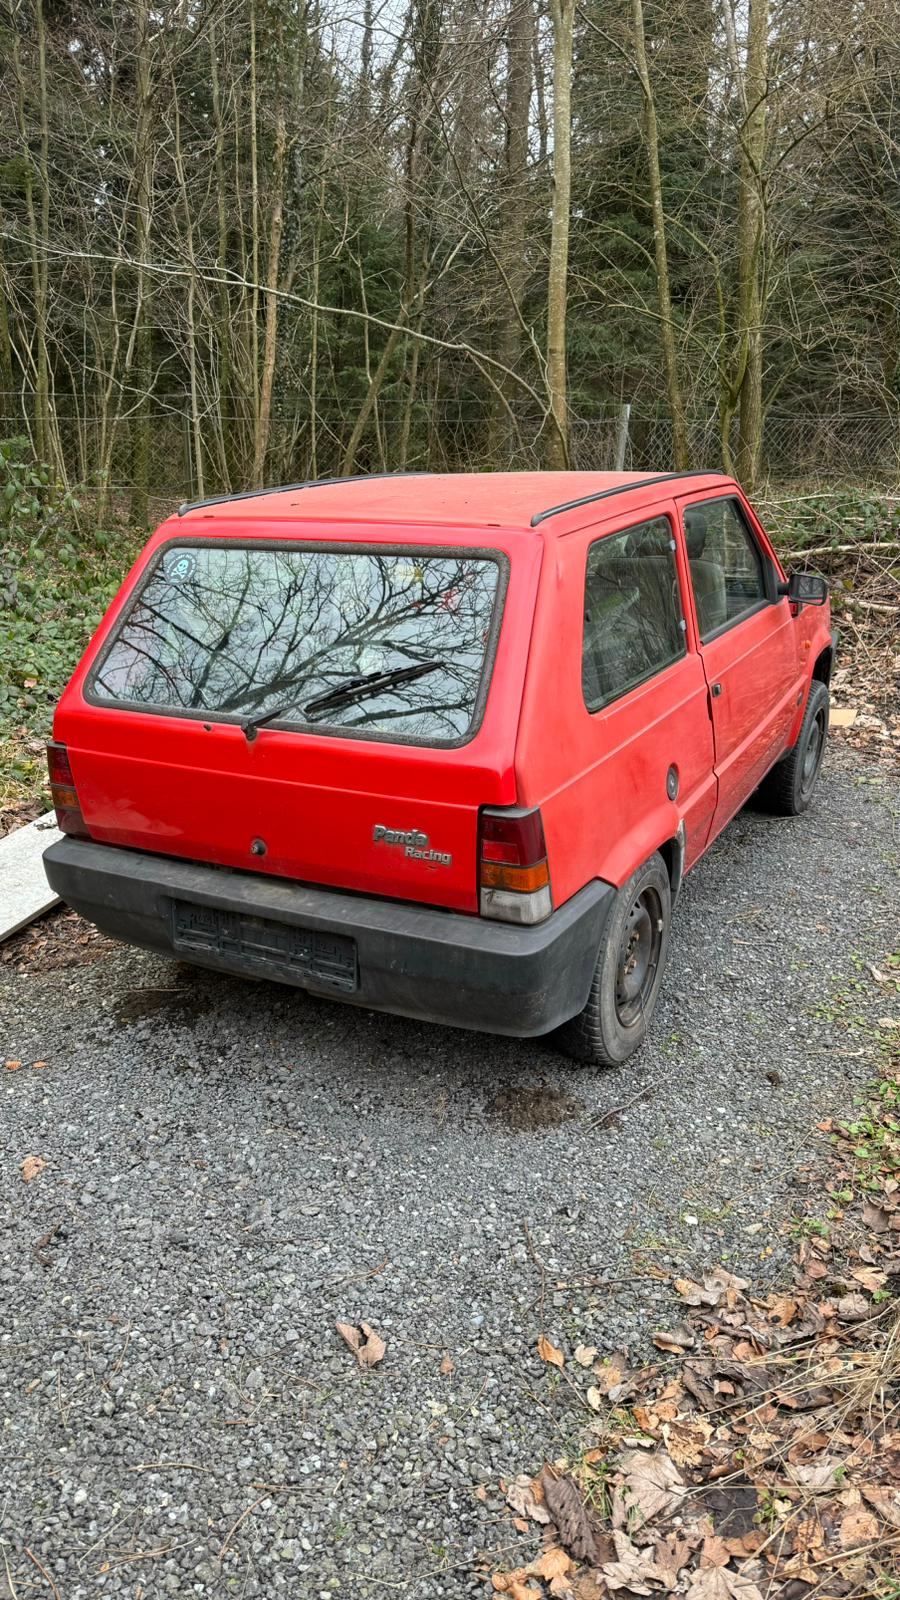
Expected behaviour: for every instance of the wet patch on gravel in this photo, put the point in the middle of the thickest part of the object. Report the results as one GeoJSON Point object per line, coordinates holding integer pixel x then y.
{"type": "Point", "coordinates": [525, 1109]}
{"type": "Point", "coordinates": [233, 1173]}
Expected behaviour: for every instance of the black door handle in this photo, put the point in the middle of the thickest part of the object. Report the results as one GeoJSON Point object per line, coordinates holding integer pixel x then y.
{"type": "Point", "coordinates": [716, 690]}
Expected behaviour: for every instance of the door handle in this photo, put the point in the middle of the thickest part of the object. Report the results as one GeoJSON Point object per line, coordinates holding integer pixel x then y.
{"type": "Point", "coordinates": [715, 690]}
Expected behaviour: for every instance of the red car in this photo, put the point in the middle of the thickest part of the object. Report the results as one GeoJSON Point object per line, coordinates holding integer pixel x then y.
{"type": "Point", "coordinates": [438, 745]}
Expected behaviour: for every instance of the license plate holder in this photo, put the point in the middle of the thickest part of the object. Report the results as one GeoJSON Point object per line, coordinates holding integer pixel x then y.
{"type": "Point", "coordinates": [263, 945]}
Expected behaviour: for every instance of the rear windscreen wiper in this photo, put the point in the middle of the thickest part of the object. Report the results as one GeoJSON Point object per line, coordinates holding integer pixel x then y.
{"type": "Point", "coordinates": [370, 683]}
{"type": "Point", "coordinates": [350, 689]}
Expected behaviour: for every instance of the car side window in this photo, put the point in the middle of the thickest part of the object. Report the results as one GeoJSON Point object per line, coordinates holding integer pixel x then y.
{"type": "Point", "coordinates": [726, 565]}
{"type": "Point", "coordinates": [633, 622]}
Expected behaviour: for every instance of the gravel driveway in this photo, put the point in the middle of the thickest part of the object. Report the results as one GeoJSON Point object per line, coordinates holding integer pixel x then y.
{"type": "Point", "coordinates": [232, 1167]}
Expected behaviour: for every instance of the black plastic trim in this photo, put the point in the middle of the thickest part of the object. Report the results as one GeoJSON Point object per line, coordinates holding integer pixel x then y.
{"type": "Point", "coordinates": [414, 960]}
{"type": "Point", "coordinates": [620, 488]}
{"type": "Point", "coordinates": [291, 488]}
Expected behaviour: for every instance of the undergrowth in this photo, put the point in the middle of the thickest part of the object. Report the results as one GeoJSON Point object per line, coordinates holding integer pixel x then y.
{"type": "Point", "coordinates": [57, 578]}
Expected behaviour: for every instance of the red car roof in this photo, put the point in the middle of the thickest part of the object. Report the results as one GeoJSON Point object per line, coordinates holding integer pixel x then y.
{"type": "Point", "coordinates": [489, 499]}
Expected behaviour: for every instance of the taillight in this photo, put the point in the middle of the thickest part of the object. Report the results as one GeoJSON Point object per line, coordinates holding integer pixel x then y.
{"type": "Point", "coordinates": [64, 794]}
{"type": "Point", "coordinates": [513, 875]}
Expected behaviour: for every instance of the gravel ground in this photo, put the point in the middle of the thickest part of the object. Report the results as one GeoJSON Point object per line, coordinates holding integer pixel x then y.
{"type": "Point", "coordinates": [232, 1167]}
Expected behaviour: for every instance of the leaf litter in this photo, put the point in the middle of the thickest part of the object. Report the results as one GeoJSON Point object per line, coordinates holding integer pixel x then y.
{"type": "Point", "coordinates": [762, 1460]}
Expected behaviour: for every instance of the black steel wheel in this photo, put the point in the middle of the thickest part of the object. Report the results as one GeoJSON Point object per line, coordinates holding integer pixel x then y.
{"type": "Point", "coordinates": [613, 1022]}
{"type": "Point", "coordinates": [789, 787]}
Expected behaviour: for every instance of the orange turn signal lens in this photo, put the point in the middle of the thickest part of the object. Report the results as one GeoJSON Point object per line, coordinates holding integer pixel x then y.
{"type": "Point", "coordinates": [64, 797]}
{"type": "Point", "coordinates": [525, 880]}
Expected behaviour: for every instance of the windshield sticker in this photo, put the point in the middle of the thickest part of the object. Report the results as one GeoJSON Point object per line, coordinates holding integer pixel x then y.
{"type": "Point", "coordinates": [181, 567]}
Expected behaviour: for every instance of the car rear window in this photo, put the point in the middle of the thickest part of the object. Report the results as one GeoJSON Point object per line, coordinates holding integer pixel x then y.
{"type": "Point", "coordinates": [374, 643]}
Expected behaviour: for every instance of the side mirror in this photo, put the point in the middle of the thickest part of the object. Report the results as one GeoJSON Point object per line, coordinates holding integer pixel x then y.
{"type": "Point", "coordinates": [805, 589]}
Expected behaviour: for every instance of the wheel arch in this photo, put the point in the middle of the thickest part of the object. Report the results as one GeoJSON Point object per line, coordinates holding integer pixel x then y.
{"type": "Point", "coordinates": [662, 833]}
{"type": "Point", "coordinates": [824, 663]}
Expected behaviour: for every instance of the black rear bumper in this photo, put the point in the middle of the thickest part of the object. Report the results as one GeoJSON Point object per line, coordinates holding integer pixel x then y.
{"type": "Point", "coordinates": [438, 966]}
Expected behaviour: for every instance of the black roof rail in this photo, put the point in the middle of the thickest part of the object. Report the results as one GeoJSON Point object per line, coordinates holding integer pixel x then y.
{"type": "Point", "coordinates": [620, 488]}
{"type": "Point", "coordinates": [288, 488]}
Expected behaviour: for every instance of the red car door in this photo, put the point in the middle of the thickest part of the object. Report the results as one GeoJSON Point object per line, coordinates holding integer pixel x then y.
{"type": "Point", "coordinates": [746, 639]}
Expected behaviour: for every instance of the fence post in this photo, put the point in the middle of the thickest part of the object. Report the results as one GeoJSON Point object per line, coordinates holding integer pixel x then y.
{"type": "Point", "coordinates": [622, 436]}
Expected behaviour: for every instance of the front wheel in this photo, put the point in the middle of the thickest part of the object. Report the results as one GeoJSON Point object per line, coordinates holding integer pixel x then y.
{"type": "Point", "coordinates": [628, 974]}
{"type": "Point", "coordinates": [788, 789]}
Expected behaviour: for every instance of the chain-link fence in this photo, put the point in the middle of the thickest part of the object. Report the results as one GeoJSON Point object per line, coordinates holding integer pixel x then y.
{"type": "Point", "coordinates": [96, 450]}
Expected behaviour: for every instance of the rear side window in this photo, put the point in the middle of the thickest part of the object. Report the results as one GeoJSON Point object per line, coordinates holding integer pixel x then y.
{"type": "Point", "coordinates": [726, 565]}
{"type": "Point", "coordinates": [633, 623]}
{"type": "Point", "coordinates": [391, 644]}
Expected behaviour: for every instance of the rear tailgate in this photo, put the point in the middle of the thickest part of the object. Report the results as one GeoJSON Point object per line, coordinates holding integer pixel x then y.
{"type": "Point", "coordinates": [356, 807]}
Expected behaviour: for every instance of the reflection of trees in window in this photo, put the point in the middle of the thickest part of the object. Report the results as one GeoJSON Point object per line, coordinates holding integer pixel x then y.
{"type": "Point", "coordinates": [247, 631]}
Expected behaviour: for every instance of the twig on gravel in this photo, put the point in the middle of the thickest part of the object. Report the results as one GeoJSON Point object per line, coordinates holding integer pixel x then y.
{"type": "Point", "coordinates": [270, 1488]}
{"type": "Point", "coordinates": [118, 1366]}
{"type": "Point", "coordinates": [161, 1466]}
{"type": "Point", "coordinates": [138, 1555]}
{"type": "Point", "coordinates": [540, 1266]}
{"type": "Point", "coordinates": [42, 1570]}
{"type": "Point", "coordinates": [41, 1244]}
{"type": "Point", "coordinates": [597, 1281]}
{"type": "Point", "coordinates": [9, 1579]}
{"type": "Point", "coordinates": [360, 1277]}
{"type": "Point", "coordinates": [603, 1119]}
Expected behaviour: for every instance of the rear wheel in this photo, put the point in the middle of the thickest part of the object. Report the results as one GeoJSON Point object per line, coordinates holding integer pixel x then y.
{"type": "Point", "coordinates": [628, 974]}
{"type": "Point", "coordinates": [788, 789]}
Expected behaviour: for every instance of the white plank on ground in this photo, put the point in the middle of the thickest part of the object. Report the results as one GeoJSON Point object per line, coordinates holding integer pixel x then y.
{"type": "Point", "coordinates": [24, 890]}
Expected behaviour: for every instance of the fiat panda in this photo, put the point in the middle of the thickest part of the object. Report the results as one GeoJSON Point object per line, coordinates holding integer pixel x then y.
{"type": "Point", "coordinates": [440, 745]}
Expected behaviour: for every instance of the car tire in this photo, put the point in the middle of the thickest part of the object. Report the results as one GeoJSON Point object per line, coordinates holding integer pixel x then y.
{"type": "Point", "coordinates": [629, 971]}
{"type": "Point", "coordinates": [788, 789]}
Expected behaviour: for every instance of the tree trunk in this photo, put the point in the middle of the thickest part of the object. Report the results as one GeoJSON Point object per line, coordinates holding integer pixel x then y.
{"type": "Point", "coordinates": [6, 346]}
{"type": "Point", "coordinates": [663, 292]}
{"type": "Point", "coordinates": [511, 248]}
{"type": "Point", "coordinates": [752, 244]}
{"type": "Point", "coordinates": [562, 13]}
{"type": "Point", "coordinates": [143, 157]}
{"type": "Point", "coordinates": [270, 345]}
{"type": "Point", "coordinates": [223, 330]}
{"type": "Point", "coordinates": [198, 486]}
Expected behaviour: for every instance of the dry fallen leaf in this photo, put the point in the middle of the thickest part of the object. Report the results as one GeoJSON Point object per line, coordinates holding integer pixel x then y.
{"type": "Point", "coordinates": [447, 1365]}
{"type": "Point", "coordinates": [32, 1167]}
{"type": "Point", "coordinates": [853, 1307]}
{"type": "Point", "coordinates": [783, 1309]}
{"type": "Point", "coordinates": [611, 1372]}
{"type": "Point", "coordinates": [717, 1583]}
{"type": "Point", "coordinates": [36, 1065]}
{"type": "Point", "coordinates": [12, 1066]}
{"type": "Point", "coordinates": [685, 1438]}
{"type": "Point", "coordinates": [526, 1496]}
{"type": "Point", "coordinates": [554, 1563]}
{"type": "Point", "coordinates": [515, 1585]}
{"type": "Point", "coordinates": [635, 1570]}
{"type": "Point", "coordinates": [858, 1527]}
{"type": "Point", "coordinates": [715, 1552]}
{"type": "Point", "coordinates": [366, 1344]}
{"type": "Point", "coordinates": [649, 1485]}
{"type": "Point", "coordinates": [886, 1502]}
{"type": "Point", "coordinates": [818, 1477]}
{"type": "Point", "coordinates": [548, 1352]}
{"type": "Point", "coordinates": [676, 1340]}
{"type": "Point", "coordinates": [585, 1354]}
{"type": "Point", "coordinates": [870, 1278]}
{"type": "Point", "coordinates": [573, 1521]}
{"type": "Point", "coordinates": [874, 1217]}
